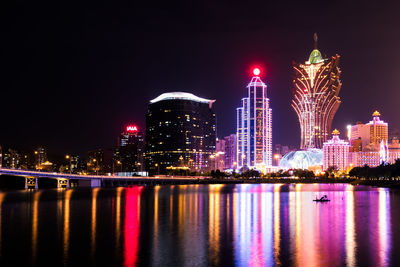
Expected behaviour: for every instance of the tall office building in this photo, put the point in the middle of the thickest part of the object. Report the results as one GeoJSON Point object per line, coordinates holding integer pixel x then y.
{"type": "Point", "coordinates": [336, 152]}
{"type": "Point", "coordinates": [129, 136]}
{"type": "Point", "coordinates": [316, 87]}
{"type": "Point", "coordinates": [129, 154]}
{"type": "Point", "coordinates": [254, 128]}
{"type": "Point", "coordinates": [180, 133]}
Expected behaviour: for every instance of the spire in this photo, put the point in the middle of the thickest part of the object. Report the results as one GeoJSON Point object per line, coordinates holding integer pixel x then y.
{"type": "Point", "coordinates": [335, 132]}
{"type": "Point", "coordinates": [315, 40]}
{"type": "Point", "coordinates": [315, 56]}
{"type": "Point", "coordinates": [376, 114]}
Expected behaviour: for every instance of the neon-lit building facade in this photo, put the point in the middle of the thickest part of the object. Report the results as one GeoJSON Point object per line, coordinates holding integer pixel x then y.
{"type": "Point", "coordinates": [302, 159]}
{"type": "Point", "coordinates": [371, 134]}
{"type": "Point", "coordinates": [180, 133]}
{"type": "Point", "coordinates": [336, 152]}
{"type": "Point", "coordinates": [370, 144]}
{"type": "Point", "coordinates": [316, 87]}
{"type": "Point", "coordinates": [254, 127]}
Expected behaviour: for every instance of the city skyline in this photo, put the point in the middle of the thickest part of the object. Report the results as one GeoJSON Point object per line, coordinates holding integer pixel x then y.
{"type": "Point", "coordinates": [200, 133]}
{"type": "Point", "coordinates": [56, 75]}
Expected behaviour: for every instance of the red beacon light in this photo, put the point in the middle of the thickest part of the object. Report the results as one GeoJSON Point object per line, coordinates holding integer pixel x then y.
{"type": "Point", "coordinates": [256, 71]}
{"type": "Point", "coordinates": [131, 128]}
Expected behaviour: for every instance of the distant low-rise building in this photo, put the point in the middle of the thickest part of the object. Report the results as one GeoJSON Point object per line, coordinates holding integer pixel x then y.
{"type": "Point", "coordinates": [11, 159]}
{"type": "Point", "coordinates": [99, 161]}
{"type": "Point", "coordinates": [220, 154]}
{"type": "Point", "coordinates": [230, 152]}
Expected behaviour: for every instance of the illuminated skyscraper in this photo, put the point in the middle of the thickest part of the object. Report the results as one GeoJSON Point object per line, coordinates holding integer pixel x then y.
{"type": "Point", "coordinates": [316, 86]}
{"type": "Point", "coordinates": [254, 129]}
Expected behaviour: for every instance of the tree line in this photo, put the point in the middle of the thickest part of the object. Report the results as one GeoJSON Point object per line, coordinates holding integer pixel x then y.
{"type": "Point", "coordinates": [383, 171]}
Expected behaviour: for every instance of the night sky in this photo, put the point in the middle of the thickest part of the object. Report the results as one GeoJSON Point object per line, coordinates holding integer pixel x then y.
{"type": "Point", "coordinates": [74, 74]}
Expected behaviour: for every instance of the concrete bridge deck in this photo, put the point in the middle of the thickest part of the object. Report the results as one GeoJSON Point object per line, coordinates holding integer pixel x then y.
{"type": "Point", "coordinates": [31, 178]}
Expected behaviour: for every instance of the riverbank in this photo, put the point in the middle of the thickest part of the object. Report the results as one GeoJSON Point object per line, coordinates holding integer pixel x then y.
{"type": "Point", "coordinates": [395, 184]}
{"type": "Point", "coordinates": [276, 181]}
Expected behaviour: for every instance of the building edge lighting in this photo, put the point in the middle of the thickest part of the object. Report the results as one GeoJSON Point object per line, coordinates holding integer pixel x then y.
{"type": "Point", "coordinates": [316, 87]}
{"type": "Point", "coordinates": [254, 127]}
{"type": "Point", "coordinates": [181, 96]}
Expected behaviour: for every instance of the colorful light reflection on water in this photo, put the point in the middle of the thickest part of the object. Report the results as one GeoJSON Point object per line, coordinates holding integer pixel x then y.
{"type": "Point", "coordinates": [248, 224]}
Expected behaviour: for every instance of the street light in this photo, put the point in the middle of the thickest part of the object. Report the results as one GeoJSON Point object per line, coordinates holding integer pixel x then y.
{"type": "Point", "coordinates": [120, 163]}
{"type": "Point", "coordinates": [69, 157]}
{"type": "Point", "coordinates": [38, 163]}
{"type": "Point", "coordinates": [97, 166]}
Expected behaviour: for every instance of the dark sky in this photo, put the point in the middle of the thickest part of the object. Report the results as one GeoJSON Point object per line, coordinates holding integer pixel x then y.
{"type": "Point", "coordinates": [73, 74]}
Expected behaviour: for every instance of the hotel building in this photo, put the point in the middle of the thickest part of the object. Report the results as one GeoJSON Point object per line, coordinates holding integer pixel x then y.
{"type": "Point", "coordinates": [316, 87]}
{"type": "Point", "coordinates": [371, 134]}
{"type": "Point", "coordinates": [336, 152]}
{"type": "Point", "coordinates": [369, 143]}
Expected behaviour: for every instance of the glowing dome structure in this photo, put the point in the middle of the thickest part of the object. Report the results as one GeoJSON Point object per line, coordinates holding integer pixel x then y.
{"type": "Point", "coordinates": [302, 159]}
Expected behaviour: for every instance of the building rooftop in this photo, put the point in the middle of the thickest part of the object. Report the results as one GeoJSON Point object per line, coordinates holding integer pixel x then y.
{"type": "Point", "coordinates": [376, 113]}
{"type": "Point", "coordinates": [181, 96]}
{"type": "Point", "coordinates": [315, 57]}
{"type": "Point", "coordinates": [256, 81]}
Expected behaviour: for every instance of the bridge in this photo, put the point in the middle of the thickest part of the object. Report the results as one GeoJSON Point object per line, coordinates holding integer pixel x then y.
{"type": "Point", "coordinates": [63, 179]}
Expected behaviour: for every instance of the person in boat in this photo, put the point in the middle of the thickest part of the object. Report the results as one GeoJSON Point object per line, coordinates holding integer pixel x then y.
{"type": "Point", "coordinates": [325, 197]}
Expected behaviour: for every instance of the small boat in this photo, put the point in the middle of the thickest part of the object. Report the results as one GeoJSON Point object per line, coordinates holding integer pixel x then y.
{"type": "Point", "coordinates": [321, 200]}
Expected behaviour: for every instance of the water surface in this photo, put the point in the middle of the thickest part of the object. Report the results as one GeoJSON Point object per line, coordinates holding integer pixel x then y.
{"type": "Point", "coordinates": [198, 225]}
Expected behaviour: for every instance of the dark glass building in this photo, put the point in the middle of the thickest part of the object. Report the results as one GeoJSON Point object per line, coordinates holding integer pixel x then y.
{"type": "Point", "coordinates": [180, 133]}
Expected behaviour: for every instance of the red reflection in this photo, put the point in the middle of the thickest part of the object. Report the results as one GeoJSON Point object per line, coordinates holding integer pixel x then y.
{"type": "Point", "coordinates": [132, 224]}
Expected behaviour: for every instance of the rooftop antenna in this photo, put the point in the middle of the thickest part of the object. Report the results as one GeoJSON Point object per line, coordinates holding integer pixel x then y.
{"type": "Point", "coordinates": [315, 40]}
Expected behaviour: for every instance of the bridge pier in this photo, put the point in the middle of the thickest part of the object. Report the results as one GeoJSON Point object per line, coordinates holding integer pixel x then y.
{"type": "Point", "coordinates": [31, 182]}
{"type": "Point", "coordinates": [95, 182]}
{"type": "Point", "coordinates": [62, 183]}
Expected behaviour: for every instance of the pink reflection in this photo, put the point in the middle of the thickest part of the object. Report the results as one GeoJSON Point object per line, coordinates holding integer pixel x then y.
{"type": "Point", "coordinates": [132, 224]}
{"type": "Point", "coordinates": [384, 227]}
{"type": "Point", "coordinates": [350, 230]}
{"type": "Point", "coordinates": [253, 225]}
